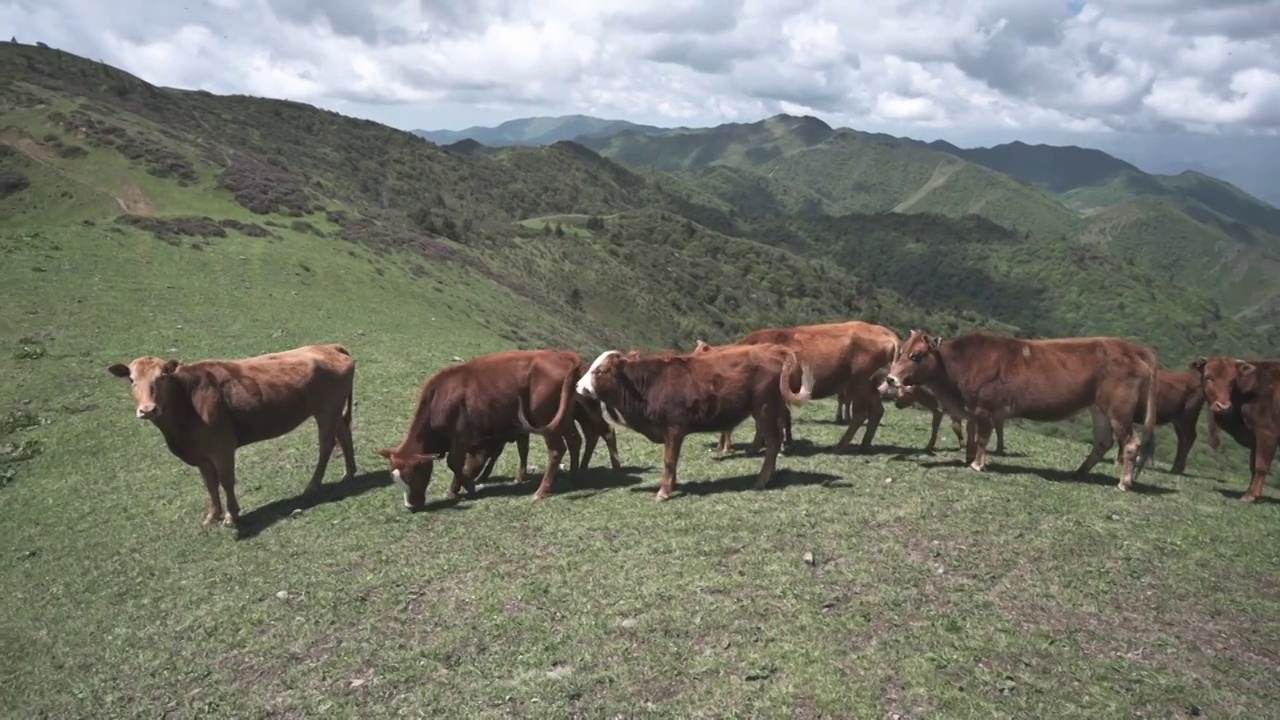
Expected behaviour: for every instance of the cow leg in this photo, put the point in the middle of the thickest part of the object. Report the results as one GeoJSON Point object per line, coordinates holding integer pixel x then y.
{"type": "Point", "coordinates": [1000, 438]}
{"type": "Point", "coordinates": [555, 453]}
{"type": "Point", "coordinates": [933, 436]}
{"type": "Point", "coordinates": [982, 436]}
{"type": "Point", "coordinates": [772, 444]}
{"type": "Point", "coordinates": [726, 441]}
{"type": "Point", "coordinates": [461, 455]}
{"type": "Point", "coordinates": [786, 426]}
{"type": "Point", "coordinates": [522, 452]}
{"type": "Point", "coordinates": [489, 454]}
{"type": "Point", "coordinates": [225, 464]}
{"type": "Point", "coordinates": [1103, 439]}
{"type": "Point", "coordinates": [1264, 451]}
{"type": "Point", "coordinates": [856, 418]}
{"type": "Point", "coordinates": [1130, 440]}
{"type": "Point", "coordinates": [590, 436]}
{"type": "Point", "coordinates": [210, 475]}
{"type": "Point", "coordinates": [670, 459]}
{"type": "Point", "coordinates": [957, 426]}
{"type": "Point", "coordinates": [348, 449]}
{"type": "Point", "coordinates": [611, 442]}
{"type": "Point", "coordinates": [328, 438]}
{"type": "Point", "coordinates": [1186, 433]}
{"type": "Point", "coordinates": [970, 440]}
{"type": "Point", "coordinates": [874, 414]}
{"type": "Point", "coordinates": [573, 441]}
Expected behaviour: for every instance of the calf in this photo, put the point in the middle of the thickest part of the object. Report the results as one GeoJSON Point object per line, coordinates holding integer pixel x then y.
{"type": "Point", "coordinates": [920, 396]}
{"type": "Point", "coordinates": [1179, 399]}
{"type": "Point", "coordinates": [987, 378]}
{"type": "Point", "coordinates": [665, 398]}
{"type": "Point", "coordinates": [482, 404]}
{"type": "Point", "coordinates": [1244, 400]}
{"type": "Point", "coordinates": [594, 427]}
{"type": "Point", "coordinates": [207, 410]}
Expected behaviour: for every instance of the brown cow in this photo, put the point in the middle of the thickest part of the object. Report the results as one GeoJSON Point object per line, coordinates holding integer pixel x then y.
{"type": "Point", "coordinates": [484, 403]}
{"type": "Point", "coordinates": [1244, 400]}
{"type": "Point", "coordinates": [987, 378]}
{"type": "Point", "coordinates": [920, 396]}
{"type": "Point", "coordinates": [666, 397]}
{"type": "Point", "coordinates": [1179, 399]}
{"type": "Point", "coordinates": [844, 358]}
{"type": "Point", "coordinates": [207, 410]}
{"type": "Point", "coordinates": [589, 417]}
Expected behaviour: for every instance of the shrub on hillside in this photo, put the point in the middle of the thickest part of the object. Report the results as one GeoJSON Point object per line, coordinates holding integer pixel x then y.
{"type": "Point", "coordinates": [12, 183]}
{"type": "Point", "coordinates": [264, 189]}
{"type": "Point", "coordinates": [169, 229]}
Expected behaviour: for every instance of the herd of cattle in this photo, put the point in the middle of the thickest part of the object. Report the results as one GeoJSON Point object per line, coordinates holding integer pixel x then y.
{"type": "Point", "coordinates": [468, 412]}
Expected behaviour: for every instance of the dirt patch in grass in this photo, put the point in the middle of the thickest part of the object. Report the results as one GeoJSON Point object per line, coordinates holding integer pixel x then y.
{"type": "Point", "coordinates": [134, 201]}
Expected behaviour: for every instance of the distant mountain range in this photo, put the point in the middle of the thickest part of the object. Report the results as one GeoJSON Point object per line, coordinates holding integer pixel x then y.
{"type": "Point", "coordinates": [1249, 163]}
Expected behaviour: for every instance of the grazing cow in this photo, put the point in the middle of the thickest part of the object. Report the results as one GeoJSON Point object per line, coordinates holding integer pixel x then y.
{"type": "Point", "coordinates": [589, 417]}
{"type": "Point", "coordinates": [987, 378]}
{"type": "Point", "coordinates": [666, 397]}
{"type": "Point", "coordinates": [845, 358]}
{"type": "Point", "coordinates": [920, 396]}
{"type": "Point", "coordinates": [480, 405]}
{"type": "Point", "coordinates": [1179, 399]}
{"type": "Point", "coordinates": [207, 410]}
{"type": "Point", "coordinates": [1244, 400]}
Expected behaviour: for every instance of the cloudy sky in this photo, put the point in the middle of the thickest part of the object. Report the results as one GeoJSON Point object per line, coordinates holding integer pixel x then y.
{"type": "Point", "coordinates": [926, 68]}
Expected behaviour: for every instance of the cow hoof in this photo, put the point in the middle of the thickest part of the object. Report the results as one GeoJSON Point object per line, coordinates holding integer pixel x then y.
{"type": "Point", "coordinates": [976, 466]}
{"type": "Point", "coordinates": [1248, 498]}
{"type": "Point", "coordinates": [539, 496]}
{"type": "Point", "coordinates": [1122, 487]}
{"type": "Point", "coordinates": [661, 496]}
{"type": "Point", "coordinates": [211, 519]}
{"type": "Point", "coordinates": [229, 521]}
{"type": "Point", "coordinates": [311, 489]}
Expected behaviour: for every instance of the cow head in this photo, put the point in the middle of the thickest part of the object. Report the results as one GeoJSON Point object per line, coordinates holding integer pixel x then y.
{"type": "Point", "coordinates": [152, 383]}
{"type": "Point", "coordinates": [412, 472]}
{"type": "Point", "coordinates": [1219, 376]}
{"type": "Point", "coordinates": [601, 376]}
{"type": "Point", "coordinates": [915, 362]}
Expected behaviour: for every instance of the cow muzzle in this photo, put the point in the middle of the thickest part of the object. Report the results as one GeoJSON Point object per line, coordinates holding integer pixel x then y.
{"type": "Point", "coordinates": [1220, 407]}
{"type": "Point", "coordinates": [148, 411]}
{"type": "Point", "coordinates": [890, 382]}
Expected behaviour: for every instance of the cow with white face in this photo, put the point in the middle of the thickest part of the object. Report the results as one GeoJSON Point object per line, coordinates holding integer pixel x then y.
{"type": "Point", "coordinates": [667, 396]}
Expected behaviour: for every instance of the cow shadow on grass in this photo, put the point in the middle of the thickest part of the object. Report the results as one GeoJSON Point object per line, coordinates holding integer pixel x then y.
{"type": "Point", "coordinates": [1237, 494]}
{"type": "Point", "coordinates": [746, 483]}
{"type": "Point", "coordinates": [595, 480]}
{"type": "Point", "coordinates": [801, 448]}
{"type": "Point", "coordinates": [260, 518]}
{"type": "Point", "coordinates": [1056, 475]}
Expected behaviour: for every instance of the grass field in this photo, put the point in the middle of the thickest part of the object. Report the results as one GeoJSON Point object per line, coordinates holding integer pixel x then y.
{"type": "Point", "coordinates": [933, 590]}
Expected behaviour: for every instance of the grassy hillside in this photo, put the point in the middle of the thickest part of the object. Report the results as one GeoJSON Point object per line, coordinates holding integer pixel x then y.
{"type": "Point", "coordinates": [137, 220]}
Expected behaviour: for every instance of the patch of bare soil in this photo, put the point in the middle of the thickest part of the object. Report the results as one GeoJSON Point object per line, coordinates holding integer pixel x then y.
{"type": "Point", "coordinates": [33, 148]}
{"type": "Point", "coordinates": [134, 201]}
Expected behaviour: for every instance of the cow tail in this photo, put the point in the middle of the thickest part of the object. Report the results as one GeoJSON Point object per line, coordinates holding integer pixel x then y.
{"type": "Point", "coordinates": [1149, 422]}
{"type": "Point", "coordinates": [566, 404]}
{"type": "Point", "coordinates": [351, 389]}
{"type": "Point", "coordinates": [790, 397]}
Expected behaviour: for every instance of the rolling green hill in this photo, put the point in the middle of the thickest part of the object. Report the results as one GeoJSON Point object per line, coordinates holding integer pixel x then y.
{"type": "Point", "coordinates": [536, 131]}
{"type": "Point", "coordinates": [799, 165]}
{"type": "Point", "coordinates": [137, 219]}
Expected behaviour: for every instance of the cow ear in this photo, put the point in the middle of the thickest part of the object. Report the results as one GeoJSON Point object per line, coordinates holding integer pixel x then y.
{"type": "Point", "coordinates": [170, 366]}
{"type": "Point", "coordinates": [935, 343]}
{"type": "Point", "coordinates": [1246, 376]}
{"type": "Point", "coordinates": [120, 370]}
{"type": "Point", "coordinates": [1197, 364]}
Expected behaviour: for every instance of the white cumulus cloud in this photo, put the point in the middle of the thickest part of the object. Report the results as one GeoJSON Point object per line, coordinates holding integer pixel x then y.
{"type": "Point", "coordinates": [1131, 65]}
